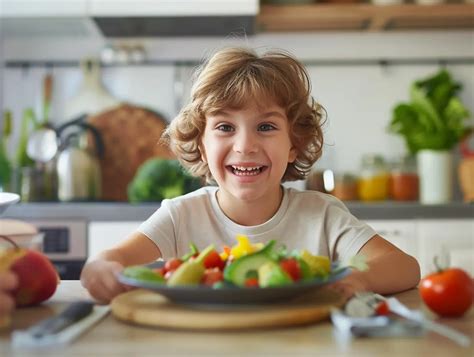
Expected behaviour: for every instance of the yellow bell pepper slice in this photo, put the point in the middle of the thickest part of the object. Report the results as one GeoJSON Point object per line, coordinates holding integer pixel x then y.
{"type": "Point", "coordinates": [244, 246]}
{"type": "Point", "coordinates": [319, 265]}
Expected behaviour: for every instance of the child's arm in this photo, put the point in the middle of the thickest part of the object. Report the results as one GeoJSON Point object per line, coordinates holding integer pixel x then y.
{"type": "Point", "coordinates": [99, 273]}
{"type": "Point", "coordinates": [390, 270]}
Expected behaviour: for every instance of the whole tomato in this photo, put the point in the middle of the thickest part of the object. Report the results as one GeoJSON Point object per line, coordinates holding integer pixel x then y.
{"type": "Point", "coordinates": [448, 292]}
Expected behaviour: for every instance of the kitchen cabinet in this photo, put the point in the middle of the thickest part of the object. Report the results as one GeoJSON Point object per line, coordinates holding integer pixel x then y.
{"type": "Point", "coordinates": [451, 240]}
{"type": "Point", "coordinates": [105, 235]}
{"type": "Point", "coordinates": [364, 17]}
{"type": "Point", "coordinates": [43, 8]}
{"type": "Point", "coordinates": [129, 18]}
{"type": "Point", "coordinates": [401, 233]}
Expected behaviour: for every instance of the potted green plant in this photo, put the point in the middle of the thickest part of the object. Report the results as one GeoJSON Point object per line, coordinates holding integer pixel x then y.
{"type": "Point", "coordinates": [432, 124]}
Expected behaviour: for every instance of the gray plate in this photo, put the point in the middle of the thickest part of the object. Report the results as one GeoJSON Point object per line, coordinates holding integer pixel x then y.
{"type": "Point", "coordinates": [232, 294]}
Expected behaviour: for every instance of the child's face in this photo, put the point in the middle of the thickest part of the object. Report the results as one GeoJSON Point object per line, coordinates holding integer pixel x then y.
{"type": "Point", "coordinates": [248, 150]}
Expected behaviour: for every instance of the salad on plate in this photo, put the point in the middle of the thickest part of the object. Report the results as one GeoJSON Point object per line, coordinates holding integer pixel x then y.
{"type": "Point", "coordinates": [245, 273]}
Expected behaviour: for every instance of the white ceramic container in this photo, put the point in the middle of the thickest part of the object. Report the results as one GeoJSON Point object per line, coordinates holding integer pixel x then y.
{"type": "Point", "coordinates": [435, 171]}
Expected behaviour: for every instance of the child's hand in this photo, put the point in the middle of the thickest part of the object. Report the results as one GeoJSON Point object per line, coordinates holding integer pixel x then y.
{"type": "Point", "coordinates": [348, 286]}
{"type": "Point", "coordinates": [99, 278]}
{"type": "Point", "coordinates": [8, 282]}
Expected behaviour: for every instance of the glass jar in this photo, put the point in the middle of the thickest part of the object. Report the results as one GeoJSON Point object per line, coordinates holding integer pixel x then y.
{"type": "Point", "coordinates": [404, 184]}
{"type": "Point", "coordinates": [373, 183]}
{"type": "Point", "coordinates": [345, 187]}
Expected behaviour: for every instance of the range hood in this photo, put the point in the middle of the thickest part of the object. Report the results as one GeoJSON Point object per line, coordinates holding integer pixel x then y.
{"type": "Point", "coordinates": [152, 18]}
{"type": "Point", "coordinates": [128, 18]}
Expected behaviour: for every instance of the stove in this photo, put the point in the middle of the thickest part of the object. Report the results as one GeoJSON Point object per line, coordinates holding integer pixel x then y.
{"type": "Point", "coordinates": [65, 244]}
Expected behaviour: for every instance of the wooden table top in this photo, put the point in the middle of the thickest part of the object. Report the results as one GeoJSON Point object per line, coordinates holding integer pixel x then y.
{"type": "Point", "coordinates": [112, 337]}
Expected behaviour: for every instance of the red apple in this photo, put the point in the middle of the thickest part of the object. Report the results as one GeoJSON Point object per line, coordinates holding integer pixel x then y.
{"type": "Point", "coordinates": [37, 276]}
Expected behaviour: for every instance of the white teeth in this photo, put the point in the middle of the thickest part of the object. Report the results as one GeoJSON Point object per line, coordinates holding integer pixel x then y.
{"type": "Point", "coordinates": [242, 168]}
{"type": "Point", "coordinates": [246, 171]}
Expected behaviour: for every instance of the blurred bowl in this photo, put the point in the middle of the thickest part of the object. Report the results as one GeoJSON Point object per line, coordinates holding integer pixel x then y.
{"type": "Point", "coordinates": [7, 199]}
{"type": "Point", "coordinates": [23, 234]}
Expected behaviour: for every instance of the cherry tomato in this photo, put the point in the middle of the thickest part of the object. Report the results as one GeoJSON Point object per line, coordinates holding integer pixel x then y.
{"type": "Point", "coordinates": [212, 276]}
{"type": "Point", "coordinates": [161, 271]}
{"type": "Point", "coordinates": [448, 292]}
{"type": "Point", "coordinates": [251, 282]}
{"type": "Point", "coordinates": [382, 308]}
{"type": "Point", "coordinates": [173, 264]}
{"type": "Point", "coordinates": [214, 260]}
{"type": "Point", "coordinates": [292, 268]}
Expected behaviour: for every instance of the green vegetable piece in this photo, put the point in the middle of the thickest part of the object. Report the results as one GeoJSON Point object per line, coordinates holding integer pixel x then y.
{"type": "Point", "coordinates": [193, 251]}
{"type": "Point", "coordinates": [305, 269]}
{"type": "Point", "coordinates": [143, 273]}
{"type": "Point", "coordinates": [239, 270]}
{"type": "Point", "coordinates": [271, 274]}
{"type": "Point", "coordinates": [435, 117]}
{"type": "Point", "coordinates": [159, 179]}
{"type": "Point", "coordinates": [191, 271]}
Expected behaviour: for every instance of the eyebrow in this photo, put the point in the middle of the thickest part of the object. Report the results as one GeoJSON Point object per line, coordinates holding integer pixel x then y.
{"type": "Point", "coordinates": [271, 114]}
{"type": "Point", "coordinates": [263, 116]}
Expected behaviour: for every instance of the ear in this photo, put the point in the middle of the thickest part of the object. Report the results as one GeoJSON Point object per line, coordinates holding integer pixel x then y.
{"type": "Point", "coordinates": [292, 155]}
{"type": "Point", "coordinates": [203, 153]}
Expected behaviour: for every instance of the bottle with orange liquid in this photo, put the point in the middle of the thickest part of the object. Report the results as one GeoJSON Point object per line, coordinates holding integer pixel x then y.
{"type": "Point", "coordinates": [404, 185]}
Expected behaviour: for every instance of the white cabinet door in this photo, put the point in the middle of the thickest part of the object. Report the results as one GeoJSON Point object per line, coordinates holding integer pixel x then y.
{"type": "Point", "coordinates": [105, 235]}
{"type": "Point", "coordinates": [452, 240]}
{"type": "Point", "coordinates": [401, 233]}
{"type": "Point", "coordinates": [43, 8]}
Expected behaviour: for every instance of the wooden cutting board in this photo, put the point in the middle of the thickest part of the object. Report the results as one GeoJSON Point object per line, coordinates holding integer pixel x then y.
{"type": "Point", "coordinates": [131, 135]}
{"type": "Point", "coordinates": [148, 308]}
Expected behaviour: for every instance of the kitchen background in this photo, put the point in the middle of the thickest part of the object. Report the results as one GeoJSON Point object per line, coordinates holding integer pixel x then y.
{"type": "Point", "coordinates": [357, 76]}
{"type": "Point", "coordinates": [358, 72]}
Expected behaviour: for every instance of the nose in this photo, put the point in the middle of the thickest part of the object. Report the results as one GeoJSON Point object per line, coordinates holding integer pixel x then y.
{"type": "Point", "coordinates": [245, 142]}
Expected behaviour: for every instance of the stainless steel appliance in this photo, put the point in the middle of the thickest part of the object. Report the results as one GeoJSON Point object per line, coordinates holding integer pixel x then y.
{"type": "Point", "coordinates": [65, 244]}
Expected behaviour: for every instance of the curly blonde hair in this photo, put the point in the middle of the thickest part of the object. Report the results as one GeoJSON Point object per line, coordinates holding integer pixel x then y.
{"type": "Point", "coordinates": [231, 79]}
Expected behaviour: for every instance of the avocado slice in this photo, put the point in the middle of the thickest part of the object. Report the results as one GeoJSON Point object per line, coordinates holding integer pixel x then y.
{"type": "Point", "coordinates": [238, 271]}
{"type": "Point", "coordinates": [143, 274]}
{"type": "Point", "coordinates": [271, 274]}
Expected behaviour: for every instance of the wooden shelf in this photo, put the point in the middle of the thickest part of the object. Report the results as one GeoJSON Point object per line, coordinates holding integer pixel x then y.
{"type": "Point", "coordinates": [364, 17]}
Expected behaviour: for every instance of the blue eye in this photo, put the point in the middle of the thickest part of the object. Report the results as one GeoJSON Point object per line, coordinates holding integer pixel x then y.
{"type": "Point", "coordinates": [266, 127]}
{"type": "Point", "coordinates": [225, 127]}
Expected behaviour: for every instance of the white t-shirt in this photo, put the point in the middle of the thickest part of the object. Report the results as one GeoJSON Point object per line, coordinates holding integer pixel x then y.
{"type": "Point", "coordinates": [308, 220]}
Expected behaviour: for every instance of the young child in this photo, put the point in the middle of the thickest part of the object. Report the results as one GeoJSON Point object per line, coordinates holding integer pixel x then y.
{"type": "Point", "coordinates": [252, 124]}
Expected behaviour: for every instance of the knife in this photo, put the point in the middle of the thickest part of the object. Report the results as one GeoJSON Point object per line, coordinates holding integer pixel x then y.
{"type": "Point", "coordinates": [61, 329]}
{"type": "Point", "coordinates": [72, 314]}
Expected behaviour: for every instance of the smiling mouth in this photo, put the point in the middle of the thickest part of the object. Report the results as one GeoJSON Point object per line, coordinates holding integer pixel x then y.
{"type": "Point", "coordinates": [246, 171]}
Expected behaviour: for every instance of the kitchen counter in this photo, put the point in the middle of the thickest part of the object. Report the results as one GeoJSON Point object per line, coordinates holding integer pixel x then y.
{"type": "Point", "coordinates": [102, 211]}
{"type": "Point", "coordinates": [111, 337]}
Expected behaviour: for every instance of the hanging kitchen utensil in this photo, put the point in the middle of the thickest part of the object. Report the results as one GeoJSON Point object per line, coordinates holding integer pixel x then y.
{"type": "Point", "coordinates": [92, 97]}
{"type": "Point", "coordinates": [47, 95]}
{"type": "Point", "coordinates": [42, 144]}
{"type": "Point", "coordinates": [131, 136]}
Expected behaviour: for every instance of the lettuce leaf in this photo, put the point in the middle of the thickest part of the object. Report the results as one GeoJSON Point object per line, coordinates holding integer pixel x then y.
{"type": "Point", "coordinates": [435, 118]}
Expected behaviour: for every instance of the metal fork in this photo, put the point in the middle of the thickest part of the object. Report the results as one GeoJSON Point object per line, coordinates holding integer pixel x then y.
{"type": "Point", "coordinates": [397, 308]}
